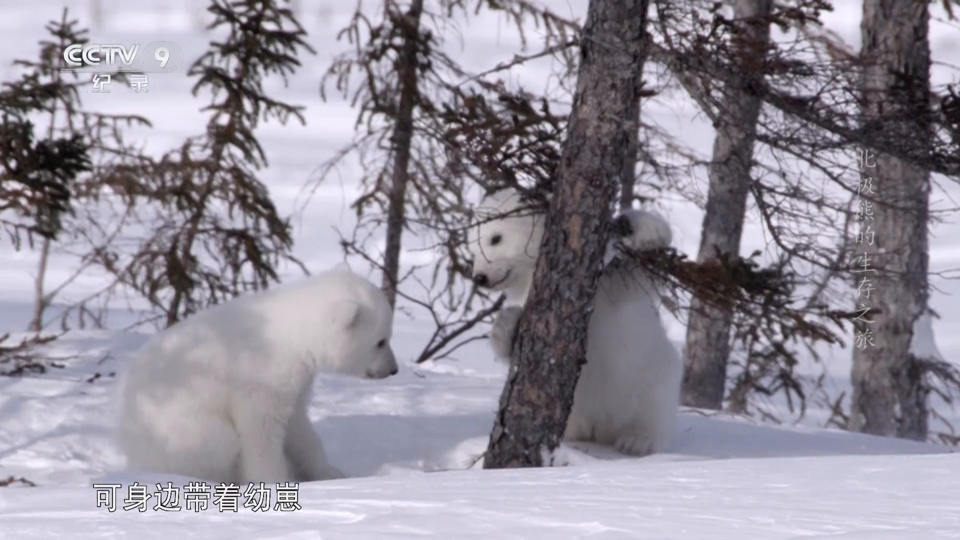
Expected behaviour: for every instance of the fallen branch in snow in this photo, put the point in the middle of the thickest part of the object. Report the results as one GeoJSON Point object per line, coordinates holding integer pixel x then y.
{"type": "Point", "coordinates": [24, 357]}
{"type": "Point", "coordinates": [11, 480]}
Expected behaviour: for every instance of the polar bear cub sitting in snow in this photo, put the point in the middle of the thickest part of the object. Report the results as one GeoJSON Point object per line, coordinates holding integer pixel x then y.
{"type": "Point", "coordinates": [222, 396]}
{"type": "Point", "coordinates": [628, 394]}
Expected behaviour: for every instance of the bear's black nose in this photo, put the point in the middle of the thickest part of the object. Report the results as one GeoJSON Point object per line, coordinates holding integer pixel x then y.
{"type": "Point", "coordinates": [481, 280]}
{"type": "Point", "coordinates": [394, 371]}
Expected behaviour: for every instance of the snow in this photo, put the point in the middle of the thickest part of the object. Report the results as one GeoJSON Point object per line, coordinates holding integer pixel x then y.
{"type": "Point", "coordinates": [410, 441]}
{"type": "Point", "coordinates": [772, 499]}
{"type": "Point", "coordinates": [413, 443]}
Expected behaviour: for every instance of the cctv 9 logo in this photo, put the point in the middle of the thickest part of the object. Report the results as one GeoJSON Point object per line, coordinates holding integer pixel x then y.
{"type": "Point", "coordinates": [155, 57]}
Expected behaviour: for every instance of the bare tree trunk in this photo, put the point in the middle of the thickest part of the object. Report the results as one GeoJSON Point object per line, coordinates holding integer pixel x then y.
{"type": "Point", "coordinates": [40, 299]}
{"type": "Point", "coordinates": [889, 393]}
{"type": "Point", "coordinates": [708, 331]}
{"type": "Point", "coordinates": [402, 140]}
{"type": "Point", "coordinates": [551, 337]}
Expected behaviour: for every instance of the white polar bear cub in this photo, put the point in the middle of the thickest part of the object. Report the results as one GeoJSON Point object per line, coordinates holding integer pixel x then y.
{"type": "Point", "coordinates": [628, 394]}
{"type": "Point", "coordinates": [222, 396]}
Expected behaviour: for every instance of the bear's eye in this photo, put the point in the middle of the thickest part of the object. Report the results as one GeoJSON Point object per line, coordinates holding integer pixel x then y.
{"type": "Point", "coordinates": [496, 239]}
{"type": "Point", "coordinates": [381, 344]}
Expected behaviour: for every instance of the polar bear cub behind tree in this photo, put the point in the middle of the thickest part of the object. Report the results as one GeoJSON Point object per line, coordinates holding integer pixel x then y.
{"type": "Point", "coordinates": [223, 395]}
{"type": "Point", "coordinates": [628, 394]}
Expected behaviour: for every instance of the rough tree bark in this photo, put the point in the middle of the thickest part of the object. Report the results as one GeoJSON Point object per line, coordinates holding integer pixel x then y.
{"type": "Point", "coordinates": [402, 139]}
{"type": "Point", "coordinates": [889, 394]}
{"type": "Point", "coordinates": [551, 338]}
{"type": "Point", "coordinates": [708, 331]}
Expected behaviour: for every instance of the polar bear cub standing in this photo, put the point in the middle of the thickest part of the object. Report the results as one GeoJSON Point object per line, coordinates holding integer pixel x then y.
{"type": "Point", "coordinates": [222, 396]}
{"type": "Point", "coordinates": [628, 393]}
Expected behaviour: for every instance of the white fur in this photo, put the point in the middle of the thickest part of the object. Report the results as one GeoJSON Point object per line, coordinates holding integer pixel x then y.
{"type": "Point", "coordinates": [222, 396]}
{"type": "Point", "coordinates": [628, 394]}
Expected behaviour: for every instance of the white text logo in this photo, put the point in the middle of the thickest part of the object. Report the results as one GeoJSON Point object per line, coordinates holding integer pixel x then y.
{"type": "Point", "coordinates": [115, 56]}
{"type": "Point", "coordinates": [154, 57]}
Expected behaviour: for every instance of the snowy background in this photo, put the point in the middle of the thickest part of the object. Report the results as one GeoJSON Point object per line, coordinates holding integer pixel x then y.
{"type": "Point", "coordinates": [727, 478]}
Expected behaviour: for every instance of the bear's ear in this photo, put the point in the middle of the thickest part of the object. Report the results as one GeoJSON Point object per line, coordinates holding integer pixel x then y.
{"type": "Point", "coordinates": [346, 314]}
{"type": "Point", "coordinates": [342, 266]}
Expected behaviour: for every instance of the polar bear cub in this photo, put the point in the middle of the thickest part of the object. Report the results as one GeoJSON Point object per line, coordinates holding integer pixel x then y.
{"type": "Point", "coordinates": [222, 396]}
{"type": "Point", "coordinates": [628, 394]}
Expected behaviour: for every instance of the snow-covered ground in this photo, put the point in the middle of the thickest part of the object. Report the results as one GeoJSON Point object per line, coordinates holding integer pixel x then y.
{"type": "Point", "coordinates": [726, 478]}
{"type": "Point", "coordinates": [841, 498]}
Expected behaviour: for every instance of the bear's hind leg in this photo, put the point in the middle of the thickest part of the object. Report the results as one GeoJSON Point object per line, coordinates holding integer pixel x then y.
{"type": "Point", "coordinates": [206, 448]}
{"type": "Point", "coordinates": [651, 430]}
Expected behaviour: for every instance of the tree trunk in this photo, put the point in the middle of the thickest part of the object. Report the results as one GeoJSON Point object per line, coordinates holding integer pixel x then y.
{"type": "Point", "coordinates": [551, 337]}
{"type": "Point", "coordinates": [401, 140]}
{"type": "Point", "coordinates": [889, 393]}
{"type": "Point", "coordinates": [708, 331]}
{"type": "Point", "coordinates": [40, 299]}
